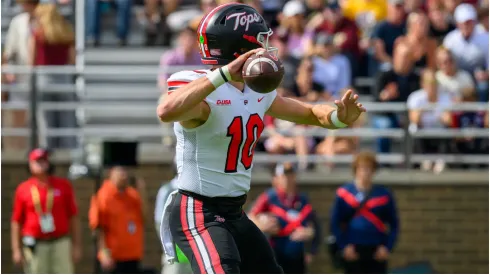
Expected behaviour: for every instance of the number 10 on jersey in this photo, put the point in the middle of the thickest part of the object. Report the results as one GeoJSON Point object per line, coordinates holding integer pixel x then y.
{"type": "Point", "coordinates": [253, 129]}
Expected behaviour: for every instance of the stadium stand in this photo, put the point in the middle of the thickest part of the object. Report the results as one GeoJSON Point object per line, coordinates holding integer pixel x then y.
{"type": "Point", "coordinates": [116, 99]}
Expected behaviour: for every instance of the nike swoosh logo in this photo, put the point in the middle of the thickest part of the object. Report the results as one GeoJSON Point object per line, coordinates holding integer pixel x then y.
{"type": "Point", "coordinates": [260, 99]}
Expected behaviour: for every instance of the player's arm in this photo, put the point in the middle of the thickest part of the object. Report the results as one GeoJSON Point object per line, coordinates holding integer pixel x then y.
{"type": "Point", "coordinates": [186, 102]}
{"type": "Point", "coordinates": [300, 112]}
{"type": "Point", "coordinates": [346, 112]}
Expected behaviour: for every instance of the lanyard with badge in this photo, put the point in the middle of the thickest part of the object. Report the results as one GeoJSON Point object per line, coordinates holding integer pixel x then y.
{"type": "Point", "coordinates": [45, 218]}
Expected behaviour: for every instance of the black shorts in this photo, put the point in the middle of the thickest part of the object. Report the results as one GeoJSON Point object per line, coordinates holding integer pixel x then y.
{"type": "Point", "coordinates": [217, 236]}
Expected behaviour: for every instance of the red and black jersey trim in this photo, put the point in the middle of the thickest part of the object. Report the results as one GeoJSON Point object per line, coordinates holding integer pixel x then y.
{"type": "Point", "coordinates": [174, 85]}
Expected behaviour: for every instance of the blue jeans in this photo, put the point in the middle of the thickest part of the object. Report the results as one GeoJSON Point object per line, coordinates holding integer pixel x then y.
{"type": "Point", "coordinates": [482, 91]}
{"type": "Point", "coordinates": [383, 144]}
{"type": "Point", "coordinates": [93, 14]}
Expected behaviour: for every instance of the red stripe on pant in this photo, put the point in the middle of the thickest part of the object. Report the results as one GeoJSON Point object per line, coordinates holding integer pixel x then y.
{"type": "Point", "coordinates": [203, 232]}
{"type": "Point", "coordinates": [188, 235]}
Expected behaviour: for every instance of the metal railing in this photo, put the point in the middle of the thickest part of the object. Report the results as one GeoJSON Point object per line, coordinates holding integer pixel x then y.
{"type": "Point", "coordinates": [147, 110]}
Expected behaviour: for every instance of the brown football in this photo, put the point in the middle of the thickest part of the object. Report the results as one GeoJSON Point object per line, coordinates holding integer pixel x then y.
{"type": "Point", "coordinates": [263, 72]}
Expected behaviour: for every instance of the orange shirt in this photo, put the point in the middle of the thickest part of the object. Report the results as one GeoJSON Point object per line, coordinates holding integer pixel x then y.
{"type": "Point", "coordinates": [63, 207]}
{"type": "Point", "coordinates": [119, 215]}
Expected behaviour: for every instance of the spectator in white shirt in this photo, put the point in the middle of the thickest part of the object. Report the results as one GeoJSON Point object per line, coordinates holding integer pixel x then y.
{"type": "Point", "coordinates": [16, 52]}
{"type": "Point", "coordinates": [431, 93]}
{"type": "Point", "coordinates": [470, 47]}
{"type": "Point", "coordinates": [331, 69]}
{"type": "Point", "coordinates": [449, 77]}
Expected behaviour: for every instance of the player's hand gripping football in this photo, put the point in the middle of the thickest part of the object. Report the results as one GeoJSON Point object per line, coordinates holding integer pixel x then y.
{"type": "Point", "coordinates": [348, 109]}
{"type": "Point", "coordinates": [235, 67]}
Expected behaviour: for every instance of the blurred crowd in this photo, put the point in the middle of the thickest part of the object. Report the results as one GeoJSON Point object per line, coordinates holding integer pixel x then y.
{"type": "Point", "coordinates": [412, 51]}
{"type": "Point", "coordinates": [39, 36]}
{"type": "Point", "coordinates": [418, 52]}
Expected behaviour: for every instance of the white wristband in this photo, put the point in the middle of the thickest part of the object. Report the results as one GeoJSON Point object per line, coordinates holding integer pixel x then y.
{"type": "Point", "coordinates": [335, 120]}
{"type": "Point", "coordinates": [219, 76]}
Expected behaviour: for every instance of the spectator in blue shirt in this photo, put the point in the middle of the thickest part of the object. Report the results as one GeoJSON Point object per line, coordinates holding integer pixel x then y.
{"type": "Point", "coordinates": [331, 68]}
{"type": "Point", "coordinates": [287, 217]}
{"type": "Point", "coordinates": [360, 216]}
{"type": "Point", "coordinates": [384, 36]}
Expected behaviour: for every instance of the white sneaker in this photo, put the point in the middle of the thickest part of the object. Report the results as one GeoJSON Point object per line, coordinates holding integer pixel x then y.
{"type": "Point", "coordinates": [426, 165]}
{"type": "Point", "coordinates": [439, 166]}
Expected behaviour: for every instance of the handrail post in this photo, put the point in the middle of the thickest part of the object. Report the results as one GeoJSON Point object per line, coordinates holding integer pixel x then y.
{"type": "Point", "coordinates": [33, 98]}
{"type": "Point", "coordinates": [409, 147]}
{"type": "Point", "coordinates": [79, 8]}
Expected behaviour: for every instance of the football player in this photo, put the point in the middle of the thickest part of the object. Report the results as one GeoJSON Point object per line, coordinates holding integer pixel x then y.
{"type": "Point", "coordinates": [218, 121]}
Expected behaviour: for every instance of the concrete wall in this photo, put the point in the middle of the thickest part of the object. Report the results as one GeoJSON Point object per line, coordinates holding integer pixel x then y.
{"type": "Point", "coordinates": [442, 221]}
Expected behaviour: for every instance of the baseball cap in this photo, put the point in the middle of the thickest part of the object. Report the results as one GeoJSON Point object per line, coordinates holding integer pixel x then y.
{"type": "Point", "coordinates": [293, 8]}
{"type": "Point", "coordinates": [38, 153]}
{"type": "Point", "coordinates": [465, 12]}
{"type": "Point", "coordinates": [285, 168]}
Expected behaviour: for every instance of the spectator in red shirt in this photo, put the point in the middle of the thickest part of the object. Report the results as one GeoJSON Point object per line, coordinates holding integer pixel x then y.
{"type": "Point", "coordinates": [44, 215]}
{"type": "Point", "coordinates": [52, 44]}
{"type": "Point", "coordinates": [334, 23]}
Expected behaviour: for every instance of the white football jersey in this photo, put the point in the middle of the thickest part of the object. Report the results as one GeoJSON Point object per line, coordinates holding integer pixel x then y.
{"type": "Point", "coordinates": [215, 159]}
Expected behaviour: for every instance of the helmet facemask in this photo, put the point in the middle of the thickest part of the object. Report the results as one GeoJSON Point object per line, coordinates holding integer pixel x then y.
{"type": "Point", "coordinates": [263, 40]}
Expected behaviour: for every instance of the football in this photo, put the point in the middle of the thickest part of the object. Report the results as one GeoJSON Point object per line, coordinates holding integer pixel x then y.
{"type": "Point", "coordinates": [263, 72]}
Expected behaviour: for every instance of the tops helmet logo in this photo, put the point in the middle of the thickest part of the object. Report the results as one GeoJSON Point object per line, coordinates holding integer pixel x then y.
{"type": "Point", "coordinates": [244, 19]}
